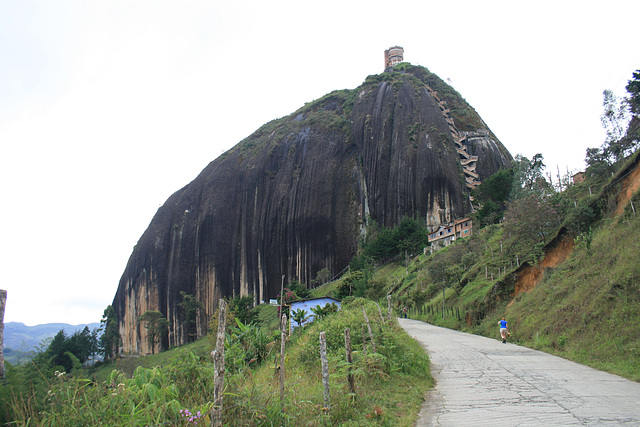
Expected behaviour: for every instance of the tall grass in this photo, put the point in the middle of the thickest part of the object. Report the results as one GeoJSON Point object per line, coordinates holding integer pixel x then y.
{"type": "Point", "coordinates": [390, 383]}
{"type": "Point", "coordinates": [588, 310]}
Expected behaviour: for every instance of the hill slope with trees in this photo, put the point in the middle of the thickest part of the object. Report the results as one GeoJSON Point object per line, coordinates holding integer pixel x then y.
{"type": "Point", "coordinates": [561, 262]}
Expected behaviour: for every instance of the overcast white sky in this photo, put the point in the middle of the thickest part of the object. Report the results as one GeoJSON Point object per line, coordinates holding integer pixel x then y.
{"type": "Point", "coordinates": [107, 108]}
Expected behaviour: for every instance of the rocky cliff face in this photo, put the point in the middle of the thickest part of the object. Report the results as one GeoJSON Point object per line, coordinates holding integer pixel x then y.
{"type": "Point", "coordinates": [295, 196]}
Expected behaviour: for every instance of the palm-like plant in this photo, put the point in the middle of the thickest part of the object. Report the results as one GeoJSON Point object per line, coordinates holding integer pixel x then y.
{"type": "Point", "coordinates": [299, 316]}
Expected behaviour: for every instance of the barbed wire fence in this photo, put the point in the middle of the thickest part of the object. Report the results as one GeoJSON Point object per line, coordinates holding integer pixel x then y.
{"type": "Point", "coordinates": [218, 408]}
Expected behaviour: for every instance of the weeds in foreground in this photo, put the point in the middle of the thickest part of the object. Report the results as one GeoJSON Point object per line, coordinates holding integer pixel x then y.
{"type": "Point", "coordinates": [390, 385]}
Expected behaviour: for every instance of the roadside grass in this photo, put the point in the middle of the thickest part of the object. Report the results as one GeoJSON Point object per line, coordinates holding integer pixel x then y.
{"type": "Point", "coordinates": [588, 309]}
{"type": "Point", "coordinates": [160, 389]}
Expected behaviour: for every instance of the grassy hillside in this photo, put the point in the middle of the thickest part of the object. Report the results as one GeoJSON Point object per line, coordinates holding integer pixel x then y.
{"type": "Point", "coordinates": [576, 295]}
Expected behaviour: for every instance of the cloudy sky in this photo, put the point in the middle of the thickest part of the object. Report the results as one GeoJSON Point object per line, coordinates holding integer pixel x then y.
{"type": "Point", "coordinates": [107, 108]}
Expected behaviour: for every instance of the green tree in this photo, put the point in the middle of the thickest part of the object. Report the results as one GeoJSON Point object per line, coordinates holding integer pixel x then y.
{"type": "Point", "coordinates": [530, 222]}
{"type": "Point", "coordinates": [622, 126]}
{"type": "Point", "coordinates": [57, 349]}
{"type": "Point", "coordinates": [384, 246]}
{"type": "Point", "coordinates": [528, 177]}
{"type": "Point", "coordinates": [156, 325]}
{"type": "Point", "coordinates": [247, 344]}
{"type": "Point", "coordinates": [362, 262]}
{"type": "Point", "coordinates": [190, 308]}
{"type": "Point", "coordinates": [419, 298]}
{"type": "Point", "coordinates": [614, 121]}
{"type": "Point", "coordinates": [354, 284]}
{"type": "Point", "coordinates": [300, 289]}
{"type": "Point", "coordinates": [242, 309]}
{"type": "Point", "coordinates": [492, 196]}
{"type": "Point", "coordinates": [633, 100]}
{"type": "Point", "coordinates": [320, 312]}
{"type": "Point", "coordinates": [598, 163]}
{"type": "Point", "coordinates": [299, 316]}
{"type": "Point", "coordinates": [323, 276]}
{"type": "Point", "coordinates": [633, 89]}
{"type": "Point", "coordinates": [69, 352]}
{"type": "Point", "coordinates": [110, 340]}
{"type": "Point", "coordinates": [410, 236]}
{"type": "Point", "coordinates": [81, 344]}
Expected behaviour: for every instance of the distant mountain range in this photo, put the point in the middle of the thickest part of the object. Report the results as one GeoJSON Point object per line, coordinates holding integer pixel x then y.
{"type": "Point", "coordinates": [18, 336]}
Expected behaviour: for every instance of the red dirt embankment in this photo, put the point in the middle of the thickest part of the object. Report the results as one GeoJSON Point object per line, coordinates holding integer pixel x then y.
{"type": "Point", "coordinates": [630, 185]}
{"type": "Point", "coordinates": [529, 276]}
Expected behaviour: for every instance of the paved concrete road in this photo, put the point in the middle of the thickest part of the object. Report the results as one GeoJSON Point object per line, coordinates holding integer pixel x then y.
{"type": "Point", "coordinates": [482, 382]}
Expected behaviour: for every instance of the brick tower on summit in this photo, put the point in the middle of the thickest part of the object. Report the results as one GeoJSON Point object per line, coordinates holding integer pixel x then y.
{"type": "Point", "coordinates": [392, 57]}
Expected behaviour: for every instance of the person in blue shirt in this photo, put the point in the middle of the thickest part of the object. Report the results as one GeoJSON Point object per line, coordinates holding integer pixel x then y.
{"type": "Point", "coordinates": [503, 330]}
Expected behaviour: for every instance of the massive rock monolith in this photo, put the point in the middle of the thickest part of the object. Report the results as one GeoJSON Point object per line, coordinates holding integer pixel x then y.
{"type": "Point", "coordinates": [296, 196]}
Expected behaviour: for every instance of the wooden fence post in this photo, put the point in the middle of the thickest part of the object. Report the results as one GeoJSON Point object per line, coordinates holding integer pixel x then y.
{"type": "Point", "coordinates": [325, 371]}
{"type": "Point", "coordinates": [347, 346]}
{"type": "Point", "coordinates": [443, 300]}
{"type": "Point", "coordinates": [373, 343]}
{"type": "Point", "coordinates": [3, 301]}
{"type": "Point", "coordinates": [218, 364]}
{"type": "Point", "coordinates": [380, 311]}
{"type": "Point", "coordinates": [389, 306]}
{"type": "Point", "coordinates": [364, 342]}
{"type": "Point", "coordinates": [283, 339]}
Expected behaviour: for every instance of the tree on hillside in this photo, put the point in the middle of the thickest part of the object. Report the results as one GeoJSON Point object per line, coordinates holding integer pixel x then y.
{"type": "Point", "coordinates": [633, 100]}
{"type": "Point", "coordinates": [190, 308]}
{"type": "Point", "coordinates": [621, 121]}
{"type": "Point", "coordinates": [83, 344]}
{"type": "Point", "coordinates": [110, 341]}
{"type": "Point", "coordinates": [156, 325]}
{"type": "Point", "coordinates": [323, 276]}
{"type": "Point", "coordinates": [614, 121]}
{"type": "Point", "coordinates": [598, 163]}
{"type": "Point", "coordinates": [439, 272]}
{"type": "Point", "coordinates": [300, 289]}
{"type": "Point", "coordinates": [320, 312]}
{"type": "Point", "coordinates": [354, 284]}
{"type": "Point", "coordinates": [409, 236]}
{"type": "Point", "coordinates": [492, 195]}
{"type": "Point", "coordinates": [241, 308]}
{"type": "Point", "coordinates": [528, 177]}
{"type": "Point", "coordinates": [633, 89]}
{"type": "Point", "coordinates": [529, 222]}
{"type": "Point", "coordinates": [57, 349]}
{"type": "Point", "coordinates": [71, 352]}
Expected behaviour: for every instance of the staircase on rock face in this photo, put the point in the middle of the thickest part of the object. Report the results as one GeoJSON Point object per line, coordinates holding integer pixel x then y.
{"type": "Point", "coordinates": [467, 162]}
